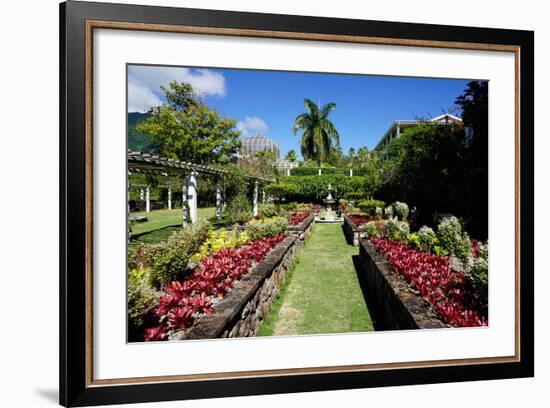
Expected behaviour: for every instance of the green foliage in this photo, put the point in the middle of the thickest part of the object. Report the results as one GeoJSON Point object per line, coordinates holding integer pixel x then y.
{"type": "Point", "coordinates": [170, 257]}
{"type": "Point", "coordinates": [267, 227]}
{"type": "Point", "coordinates": [401, 210]}
{"type": "Point", "coordinates": [369, 206]}
{"type": "Point", "coordinates": [291, 156]}
{"type": "Point", "coordinates": [318, 132]}
{"type": "Point", "coordinates": [187, 129]}
{"type": "Point", "coordinates": [389, 212]}
{"type": "Point", "coordinates": [378, 213]}
{"type": "Point", "coordinates": [218, 240]}
{"type": "Point", "coordinates": [428, 239]}
{"type": "Point", "coordinates": [239, 209]}
{"type": "Point", "coordinates": [281, 190]}
{"type": "Point", "coordinates": [142, 296]}
{"type": "Point", "coordinates": [370, 229]}
{"type": "Point", "coordinates": [138, 141]}
{"type": "Point", "coordinates": [414, 240]}
{"type": "Point", "coordinates": [356, 195]}
{"type": "Point", "coordinates": [396, 230]}
{"type": "Point", "coordinates": [451, 238]}
{"type": "Point", "coordinates": [312, 188]}
{"type": "Point", "coordinates": [479, 274]}
{"type": "Point", "coordinates": [268, 210]}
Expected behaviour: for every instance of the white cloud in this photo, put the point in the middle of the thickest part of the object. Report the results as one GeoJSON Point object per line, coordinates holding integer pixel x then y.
{"type": "Point", "coordinates": [144, 84]}
{"type": "Point", "coordinates": [252, 125]}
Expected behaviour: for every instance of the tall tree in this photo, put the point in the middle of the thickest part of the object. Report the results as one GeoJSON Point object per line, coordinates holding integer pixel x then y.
{"type": "Point", "coordinates": [291, 156]}
{"type": "Point", "coordinates": [318, 132]}
{"type": "Point", "coordinates": [185, 128]}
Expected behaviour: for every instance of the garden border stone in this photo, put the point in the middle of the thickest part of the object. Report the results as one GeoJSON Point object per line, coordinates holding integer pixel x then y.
{"type": "Point", "coordinates": [392, 301]}
{"type": "Point", "coordinates": [241, 312]}
{"type": "Point", "coordinates": [351, 231]}
{"type": "Point", "coordinates": [303, 230]}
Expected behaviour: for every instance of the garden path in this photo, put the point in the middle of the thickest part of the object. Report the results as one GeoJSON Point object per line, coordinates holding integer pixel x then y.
{"type": "Point", "coordinates": [322, 293]}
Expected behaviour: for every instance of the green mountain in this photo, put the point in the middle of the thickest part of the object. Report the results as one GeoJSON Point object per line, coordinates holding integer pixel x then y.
{"type": "Point", "coordinates": [137, 141]}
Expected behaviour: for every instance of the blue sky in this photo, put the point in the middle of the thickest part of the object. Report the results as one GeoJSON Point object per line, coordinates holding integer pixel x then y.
{"type": "Point", "coordinates": [267, 102]}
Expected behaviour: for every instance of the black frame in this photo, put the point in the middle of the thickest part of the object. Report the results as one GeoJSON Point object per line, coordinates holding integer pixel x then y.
{"type": "Point", "coordinates": [73, 389]}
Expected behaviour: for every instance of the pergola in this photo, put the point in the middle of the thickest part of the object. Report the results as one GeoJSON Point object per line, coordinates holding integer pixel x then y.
{"type": "Point", "coordinates": [187, 173]}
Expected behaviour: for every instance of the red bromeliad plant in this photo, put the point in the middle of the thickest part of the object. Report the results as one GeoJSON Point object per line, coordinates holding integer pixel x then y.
{"type": "Point", "coordinates": [359, 220]}
{"type": "Point", "coordinates": [183, 301]}
{"type": "Point", "coordinates": [298, 218]}
{"type": "Point", "coordinates": [446, 290]}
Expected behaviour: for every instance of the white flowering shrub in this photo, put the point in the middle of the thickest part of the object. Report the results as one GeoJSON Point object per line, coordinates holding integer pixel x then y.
{"type": "Point", "coordinates": [378, 213]}
{"type": "Point", "coordinates": [427, 238]}
{"type": "Point", "coordinates": [401, 210]}
{"type": "Point", "coordinates": [389, 212]}
{"type": "Point", "coordinates": [479, 274]}
{"type": "Point", "coordinates": [453, 240]}
{"type": "Point", "coordinates": [396, 230]}
{"type": "Point", "coordinates": [370, 230]}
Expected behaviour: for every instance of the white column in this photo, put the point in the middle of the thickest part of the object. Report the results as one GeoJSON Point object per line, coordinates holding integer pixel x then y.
{"type": "Point", "coordinates": [141, 194]}
{"type": "Point", "coordinates": [398, 131]}
{"type": "Point", "coordinates": [263, 196]}
{"type": "Point", "coordinates": [169, 198]}
{"type": "Point", "coordinates": [192, 196]}
{"type": "Point", "coordinates": [148, 199]}
{"type": "Point", "coordinates": [319, 171]}
{"type": "Point", "coordinates": [255, 199]}
{"type": "Point", "coordinates": [184, 203]}
{"type": "Point", "coordinates": [219, 198]}
{"type": "Point", "coordinates": [288, 172]}
{"type": "Point", "coordinates": [351, 172]}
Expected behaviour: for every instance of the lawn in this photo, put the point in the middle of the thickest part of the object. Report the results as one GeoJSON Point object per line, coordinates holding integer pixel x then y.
{"type": "Point", "coordinates": [322, 293]}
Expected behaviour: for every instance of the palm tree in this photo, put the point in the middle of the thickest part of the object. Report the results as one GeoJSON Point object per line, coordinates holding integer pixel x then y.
{"type": "Point", "coordinates": [318, 133]}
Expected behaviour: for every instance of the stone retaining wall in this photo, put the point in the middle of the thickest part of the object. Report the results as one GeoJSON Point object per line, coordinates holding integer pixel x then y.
{"type": "Point", "coordinates": [351, 231]}
{"type": "Point", "coordinates": [392, 302]}
{"type": "Point", "coordinates": [303, 230]}
{"type": "Point", "coordinates": [242, 311]}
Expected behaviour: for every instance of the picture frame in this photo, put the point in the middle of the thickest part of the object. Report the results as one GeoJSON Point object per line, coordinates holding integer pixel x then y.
{"type": "Point", "coordinates": [78, 20]}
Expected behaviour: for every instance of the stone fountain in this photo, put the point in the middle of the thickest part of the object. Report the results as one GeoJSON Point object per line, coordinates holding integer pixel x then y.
{"type": "Point", "coordinates": [329, 201]}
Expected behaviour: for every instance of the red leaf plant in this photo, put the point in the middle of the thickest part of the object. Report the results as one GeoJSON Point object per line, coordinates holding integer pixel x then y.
{"type": "Point", "coordinates": [183, 301]}
{"type": "Point", "coordinates": [298, 218]}
{"type": "Point", "coordinates": [359, 220]}
{"type": "Point", "coordinates": [444, 289]}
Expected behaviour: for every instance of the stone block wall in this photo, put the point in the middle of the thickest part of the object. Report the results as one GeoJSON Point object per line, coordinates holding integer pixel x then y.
{"type": "Point", "coordinates": [392, 302]}
{"type": "Point", "coordinates": [242, 311]}
{"type": "Point", "coordinates": [303, 230]}
{"type": "Point", "coordinates": [351, 231]}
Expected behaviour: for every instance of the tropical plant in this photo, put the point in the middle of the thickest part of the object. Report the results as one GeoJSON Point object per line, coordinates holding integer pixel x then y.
{"type": "Point", "coordinates": [239, 209]}
{"type": "Point", "coordinates": [396, 230]}
{"type": "Point", "coordinates": [171, 257]}
{"type": "Point", "coordinates": [401, 210]}
{"type": "Point", "coordinates": [291, 156]}
{"type": "Point", "coordinates": [318, 132]}
{"type": "Point", "coordinates": [453, 240]}
{"type": "Point", "coordinates": [268, 210]}
{"type": "Point", "coordinates": [257, 229]}
{"type": "Point", "coordinates": [370, 229]}
{"type": "Point", "coordinates": [218, 240]}
{"type": "Point", "coordinates": [142, 298]}
{"type": "Point", "coordinates": [428, 238]}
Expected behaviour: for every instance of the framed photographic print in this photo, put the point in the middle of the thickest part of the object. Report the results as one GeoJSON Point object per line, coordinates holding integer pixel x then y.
{"type": "Point", "coordinates": [255, 203]}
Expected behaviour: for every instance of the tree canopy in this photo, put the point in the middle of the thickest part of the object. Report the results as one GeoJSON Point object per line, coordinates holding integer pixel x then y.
{"type": "Point", "coordinates": [185, 128]}
{"type": "Point", "coordinates": [318, 132]}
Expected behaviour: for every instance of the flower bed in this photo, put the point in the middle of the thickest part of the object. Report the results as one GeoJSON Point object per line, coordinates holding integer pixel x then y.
{"type": "Point", "coordinates": [353, 224]}
{"type": "Point", "coordinates": [183, 301]}
{"type": "Point", "coordinates": [297, 218]}
{"type": "Point", "coordinates": [359, 220]}
{"type": "Point", "coordinates": [445, 290]}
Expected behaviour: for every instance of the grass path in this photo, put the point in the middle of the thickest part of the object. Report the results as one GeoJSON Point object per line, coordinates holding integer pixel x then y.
{"type": "Point", "coordinates": [322, 293]}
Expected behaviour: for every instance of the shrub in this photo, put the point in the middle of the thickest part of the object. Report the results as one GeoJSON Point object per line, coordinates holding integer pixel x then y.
{"type": "Point", "coordinates": [428, 239]}
{"type": "Point", "coordinates": [268, 210]}
{"type": "Point", "coordinates": [388, 212]}
{"type": "Point", "coordinates": [401, 210]}
{"type": "Point", "coordinates": [413, 240]}
{"type": "Point", "coordinates": [266, 228]}
{"type": "Point", "coordinates": [280, 190]}
{"type": "Point", "coordinates": [479, 275]}
{"type": "Point", "coordinates": [170, 257]}
{"type": "Point", "coordinates": [378, 213]}
{"type": "Point", "coordinates": [355, 195]}
{"type": "Point", "coordinates": [239, 209]}
{"type": "Point", "coordinates": [218, 240]}
{"type": "Point", "coordinates": [396, 230]}
{"type": "Point", "coordinates": [369, 206]}
{"type": "Point", "coordinates": [371, 230]}
{"type": "Point", "coordinates": [451, 238]}
{"type": "Point", "coordinates": [142, 297]}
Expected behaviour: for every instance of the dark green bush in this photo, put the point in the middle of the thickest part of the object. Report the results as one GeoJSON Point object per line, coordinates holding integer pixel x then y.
{"type": "Point", "coordinates": [239, 209]}
{"type": "Point", "coordinates": [369, 206]}
{"type": "Point", "coordinates": [269, 210]}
